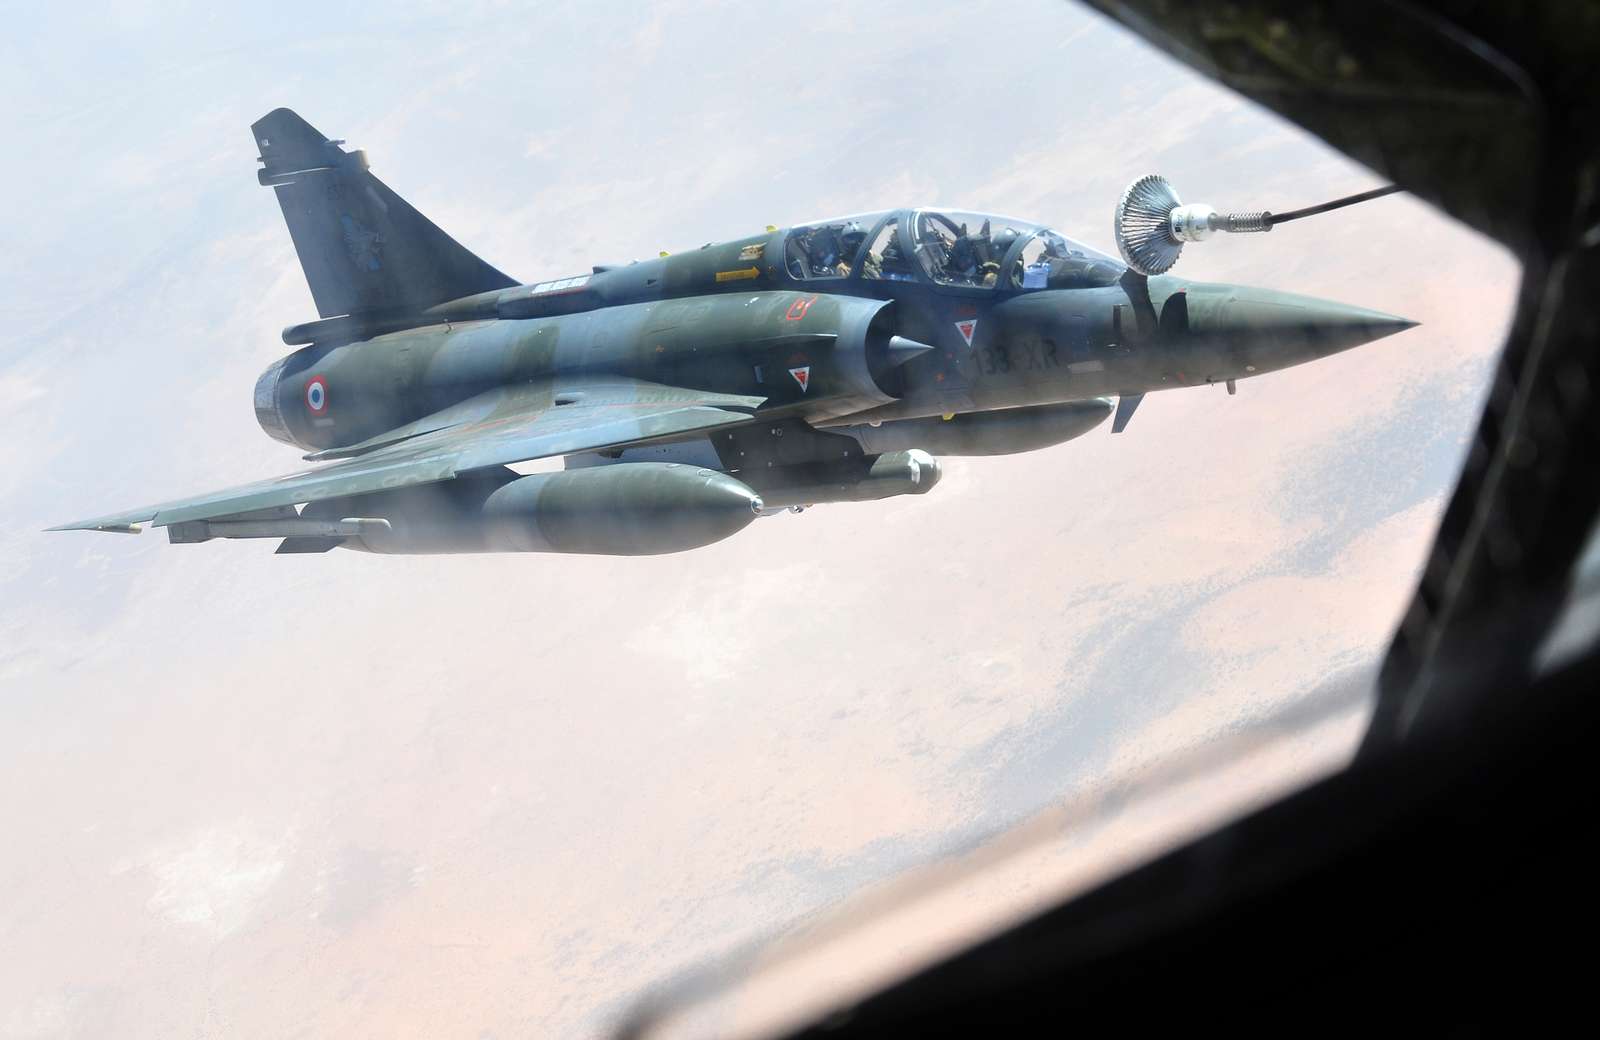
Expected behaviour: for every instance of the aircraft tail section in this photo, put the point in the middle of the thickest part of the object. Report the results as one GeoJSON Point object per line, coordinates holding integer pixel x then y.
{"type": "Point", "coordinates": [363, 248]}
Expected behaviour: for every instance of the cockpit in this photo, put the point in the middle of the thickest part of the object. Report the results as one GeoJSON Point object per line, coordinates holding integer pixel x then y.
{"type": "Point", "coordinates": [961, 251]}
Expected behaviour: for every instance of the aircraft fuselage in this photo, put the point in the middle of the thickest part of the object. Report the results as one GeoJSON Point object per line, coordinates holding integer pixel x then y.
{"type": "Point", "coordinates": [725, 318]}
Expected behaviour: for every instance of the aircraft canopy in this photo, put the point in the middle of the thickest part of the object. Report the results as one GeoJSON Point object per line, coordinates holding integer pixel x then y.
{"type": "Point", "coordinates": [950, 248]}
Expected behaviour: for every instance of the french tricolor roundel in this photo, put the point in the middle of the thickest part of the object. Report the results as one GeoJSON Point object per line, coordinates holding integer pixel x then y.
{"type": "Point", "coordinates": [967, 328]}
{"type": "Point", "coordinates": [802, 375]}
{"type": "Point", "coordinates": [317, 395]}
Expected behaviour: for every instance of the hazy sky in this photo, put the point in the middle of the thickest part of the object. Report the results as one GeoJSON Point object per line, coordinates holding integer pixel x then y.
{"type": "Point", "coordinates": [494, 796]}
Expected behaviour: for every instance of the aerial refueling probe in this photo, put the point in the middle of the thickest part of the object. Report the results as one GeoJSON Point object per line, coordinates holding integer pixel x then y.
{"type": "Point", "coordinates": [1152, 224]}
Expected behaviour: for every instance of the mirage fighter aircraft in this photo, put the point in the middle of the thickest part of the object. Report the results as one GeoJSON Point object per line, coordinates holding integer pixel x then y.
{"type": "Point", "coordinates": [829, 362]}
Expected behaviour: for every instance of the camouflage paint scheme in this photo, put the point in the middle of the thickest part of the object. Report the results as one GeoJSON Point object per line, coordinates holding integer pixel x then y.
{"type": "Point", "coordinates": [690, 393]}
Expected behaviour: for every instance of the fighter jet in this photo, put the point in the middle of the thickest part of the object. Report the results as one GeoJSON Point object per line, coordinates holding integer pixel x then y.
{"type": "Point", "coordinates": [833, 361]}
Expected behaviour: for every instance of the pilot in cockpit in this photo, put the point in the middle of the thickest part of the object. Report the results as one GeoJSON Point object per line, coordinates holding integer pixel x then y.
{"type": "Point", "coordinates": [823, 251]}
{"type": "Point", "coordinates": [850, 239]}
{"type": "Point", "coordinates": [962, 261]}
{"type": "Point", "coordinates": [889, 264]}
{"type": "Point", "coordinates": [973, 258]}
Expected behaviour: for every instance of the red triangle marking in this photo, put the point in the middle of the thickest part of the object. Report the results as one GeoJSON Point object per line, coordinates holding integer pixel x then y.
{"type": "Point", "coordinates": [802, 376]}
{"type": "Point", "coordinates": [967, 328]}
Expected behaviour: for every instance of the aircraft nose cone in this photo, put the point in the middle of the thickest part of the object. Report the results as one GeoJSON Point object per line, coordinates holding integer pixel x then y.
{"type": "Point", "coordinates": [1246, 330]}
{"type": "Point", "coordinates": [1301, 328]}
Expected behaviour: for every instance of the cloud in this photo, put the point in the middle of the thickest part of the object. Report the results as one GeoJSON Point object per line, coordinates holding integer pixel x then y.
{"type": "Point", "coordinates": [215, 879]}
{"type": "Point", "coordinates": [17, 390]}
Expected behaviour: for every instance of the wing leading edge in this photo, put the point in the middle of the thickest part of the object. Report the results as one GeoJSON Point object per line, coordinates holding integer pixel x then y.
{"type": "Point", "coordinates": [535, 420]}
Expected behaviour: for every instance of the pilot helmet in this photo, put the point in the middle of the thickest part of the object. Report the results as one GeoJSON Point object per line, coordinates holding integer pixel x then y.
{"type": "Point", "coordinates": [963, 254]}
{"type": "Point", "coordinates": [823, 249]}
{"type": "Point", "coordinates": [1002, 240]}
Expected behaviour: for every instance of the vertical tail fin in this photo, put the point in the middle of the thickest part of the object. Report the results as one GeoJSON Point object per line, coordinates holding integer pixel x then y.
{"type": "Point", "coordinates": [363, 248]}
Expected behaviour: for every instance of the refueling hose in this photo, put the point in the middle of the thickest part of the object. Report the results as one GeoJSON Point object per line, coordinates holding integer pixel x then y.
{"type": "Point", "coordinates": [1348, 200]}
